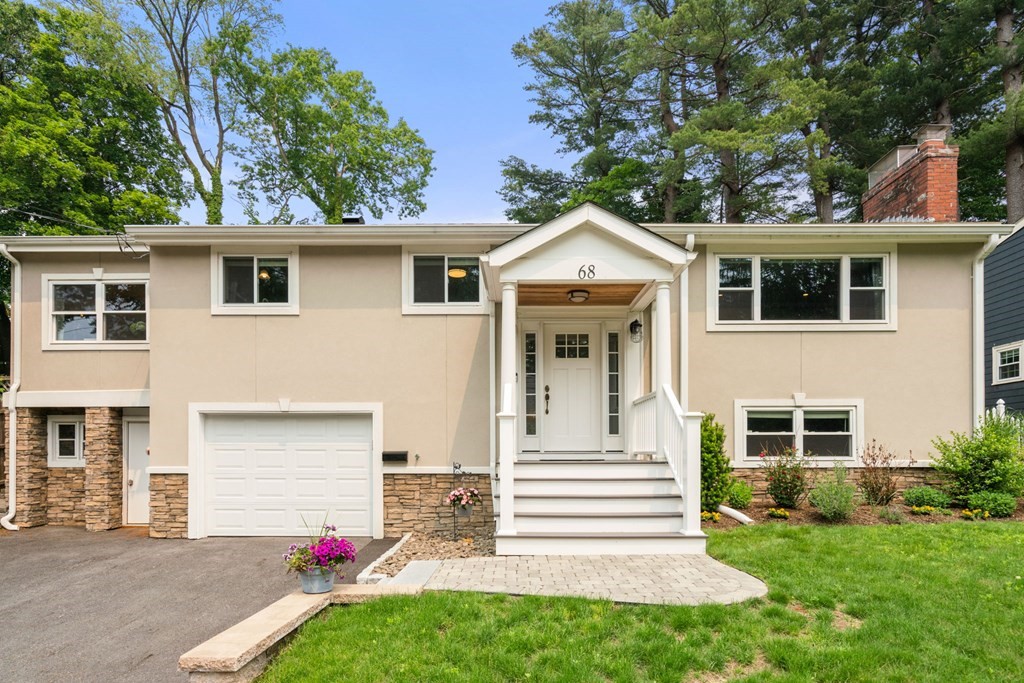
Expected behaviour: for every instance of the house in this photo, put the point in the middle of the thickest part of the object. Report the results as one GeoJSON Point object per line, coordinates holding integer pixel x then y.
{"type": "Point", "coordinates": [1004, 324]}
{"type": "Point", "coordinates": [248, 380]}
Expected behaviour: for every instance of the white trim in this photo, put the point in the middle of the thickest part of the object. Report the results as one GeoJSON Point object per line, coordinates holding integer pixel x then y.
{"type": "Point", "coordinates": [167, 469]}
{"type": "Point", "coordinates": [844, 324]}
{"type": "Point", "coordinates": [217, 305]}
{"type": "Point", "coordinates": [996, 350]}
{"type": "Point", "coordinates": [409, 307]}
{"type": "Point", "coordinates": [96, 277]}
{"type": "Point", "coordinates": [799, 402]}
{"type": "Point", "coordinates": [197, 450]}
{"type": "Point", "coordinates": [128, 398]}
{"type": "Point", "coordinates": [51, 440]}
{"type": "Point", "coordinates": [423, 469]}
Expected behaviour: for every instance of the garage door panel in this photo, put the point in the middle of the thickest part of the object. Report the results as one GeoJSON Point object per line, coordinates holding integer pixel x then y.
{"type": "Point", "coordinates": [265, 473]}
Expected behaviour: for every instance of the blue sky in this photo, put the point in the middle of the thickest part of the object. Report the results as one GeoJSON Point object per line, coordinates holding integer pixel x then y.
{"type": "Point", "coordinates": [447, 68]}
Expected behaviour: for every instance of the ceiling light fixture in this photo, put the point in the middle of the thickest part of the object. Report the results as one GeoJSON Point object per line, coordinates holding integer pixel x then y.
{"type": "Point", "coordinates": [578, 296]}
{"type": "Point", "coordinates": [457, 272]}
{"type": "Point", "coordinates": [264, 274]}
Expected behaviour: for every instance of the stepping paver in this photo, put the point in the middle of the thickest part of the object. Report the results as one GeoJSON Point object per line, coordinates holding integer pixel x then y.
{"type": "Point", "coordinates": [653, 579]}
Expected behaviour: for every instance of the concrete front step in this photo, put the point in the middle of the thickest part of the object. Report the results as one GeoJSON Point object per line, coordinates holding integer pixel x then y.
{"type": "Point", "coordinates": [637, 543]}
{"type": "Point", "coordinates": [606, 469]}
{"type": "Point", "coordinates": [597, 487]}
{"type": "Point", "coordinates": [585, 503]}
{"type": "Point", "coordinates": [654, 522]}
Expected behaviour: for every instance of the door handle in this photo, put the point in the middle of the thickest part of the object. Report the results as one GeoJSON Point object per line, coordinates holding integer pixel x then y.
{"type": "Point", "coordinates": [547, 397]}
{"type": "Point", "coordinates": [131, 481]}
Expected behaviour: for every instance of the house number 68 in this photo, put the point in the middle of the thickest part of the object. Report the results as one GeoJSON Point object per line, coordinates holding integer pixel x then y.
{"type": "Point", "coordinates": [586, 272]}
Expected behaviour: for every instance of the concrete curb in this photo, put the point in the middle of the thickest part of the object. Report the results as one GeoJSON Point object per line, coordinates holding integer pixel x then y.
{"type": "Point", "coordinates": [367, 576]}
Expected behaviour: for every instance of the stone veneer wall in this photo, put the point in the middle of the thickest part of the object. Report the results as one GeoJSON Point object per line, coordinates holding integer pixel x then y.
{"type": "Point", "coordinates": [65, 496]}
{"type": "Point", "coordinates": [168, 505]}
{"type": "Point", "coordinates": [104, 469]}
{"type": "Point", "coordinates": [415, 502]}
{"type": "Point", "coordinates": [32, 472]}
{"type": "Point", "coordinates": [909, 476]}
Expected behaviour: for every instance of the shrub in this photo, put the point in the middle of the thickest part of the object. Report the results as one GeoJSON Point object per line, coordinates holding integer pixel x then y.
{"type": "Point", "coordinates": [715, 470]}
{"type": "Point", "coordinates": [920, 496]}
{"type": "Point", "coordinates": [892, 515]}
{"type": "Point", "coordinates": [778, 513]}
{"type": "Point", "coordinates": [741, 494]}
{"type": "Point", "coordinates": [989, 459]}
{"type": "Point", "coordinates": [787, 476]}
{"type": "Point", "coordinates": [878, 479]}
{"type": "Point", "coordinates": [835, 499]}
{"type": "Point", "coordinates": [996, 504]}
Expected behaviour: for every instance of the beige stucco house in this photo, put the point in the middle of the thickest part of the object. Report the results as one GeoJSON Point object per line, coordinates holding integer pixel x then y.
{"type": "Point", "coordinates": [240, 380]}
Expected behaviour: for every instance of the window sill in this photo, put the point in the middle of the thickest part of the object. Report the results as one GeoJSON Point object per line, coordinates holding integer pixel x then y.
{"type": "Point", "coordinates": [444, 309]}
{"type": "Point", "coordinates": [96, 346]}
{"type": "Point", "coordinates": [802, 327]}
{"type": "Point", "coordinates": [254, 310]}
{"type": "Point", "coordinates": [64, 465]}
{"type": "Point", "coordinates": [998, 382]}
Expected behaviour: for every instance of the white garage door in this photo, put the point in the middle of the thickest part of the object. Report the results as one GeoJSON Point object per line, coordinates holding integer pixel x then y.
{"type": "Point", "coordinates": [274, 475]}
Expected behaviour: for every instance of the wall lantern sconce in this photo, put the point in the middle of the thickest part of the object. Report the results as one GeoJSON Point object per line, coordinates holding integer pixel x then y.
{"type": "Point", "coordinates": [636, 332]}
{"type": "Point", "coordinates": [578, 296]}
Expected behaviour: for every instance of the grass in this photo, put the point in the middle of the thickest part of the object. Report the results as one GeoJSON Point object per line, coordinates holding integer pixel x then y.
{"type": "Point", "coordinates": [911, 603]}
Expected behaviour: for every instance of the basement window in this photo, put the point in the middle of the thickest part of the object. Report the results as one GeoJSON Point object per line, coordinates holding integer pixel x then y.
{"type": "Point", "coordinates": [66, 441]}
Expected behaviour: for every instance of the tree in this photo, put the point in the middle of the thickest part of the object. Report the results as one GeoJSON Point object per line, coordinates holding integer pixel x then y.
{"type": "Point", "coordinates": [180, 50]}
{"type": "Point", "coordinates": [319, 132]}
{"type": "Point", "coordinates": [81, 147]}
{"type": "Point", "coordinates": [1009, 40]}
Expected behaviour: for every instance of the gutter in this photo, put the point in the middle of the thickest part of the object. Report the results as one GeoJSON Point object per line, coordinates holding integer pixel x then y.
{"type": "Point", "coordinates": [11, 397]}
{"type": "Point", "coordinates": [978, 321]}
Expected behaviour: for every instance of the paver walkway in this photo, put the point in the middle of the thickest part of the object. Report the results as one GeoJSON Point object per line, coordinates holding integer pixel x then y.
{"type": "Point", "coordinates": [650, 579]}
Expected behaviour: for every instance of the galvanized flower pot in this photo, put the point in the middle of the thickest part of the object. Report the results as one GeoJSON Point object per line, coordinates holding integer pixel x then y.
{"type": "Point", "coordinates": [464, 511]}
{"type": "Point", "coordinates": [317, 580]}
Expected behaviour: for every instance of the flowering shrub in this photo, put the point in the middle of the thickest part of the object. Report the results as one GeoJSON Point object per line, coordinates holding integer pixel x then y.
{"type": "Point", "coordinates": [996, 504]}
{"type": "Point", "coordinates": [922, 510]}
{"type": "Point", "coordinates": [712, 517]}
{"type": "Point", "coordinates": [787, 476]}
{"type": "Point", "coordinates": [778, 513]}
{"type": "Point", "coordinates": [975, 515]}
{"type": "Point", "coordinates": [464, 498]}
{"type": "Point", "coordinates": [327, 553]}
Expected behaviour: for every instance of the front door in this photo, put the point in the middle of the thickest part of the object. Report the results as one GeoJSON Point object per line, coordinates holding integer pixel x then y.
{"type": "Point", "coordinates": [572, 388]}
{"type": "Point", "coordinates": [136, 479]}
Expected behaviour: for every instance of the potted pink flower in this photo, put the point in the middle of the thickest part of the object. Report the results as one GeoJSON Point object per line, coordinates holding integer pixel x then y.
{"type": "Point", "coordinates": [463, 499]}
{"type": "Point", "coordinates": [320, 560]}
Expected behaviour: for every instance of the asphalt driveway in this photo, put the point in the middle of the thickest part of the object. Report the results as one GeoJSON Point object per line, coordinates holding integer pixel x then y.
{"type": "Point", "coordinates": [120, 606]}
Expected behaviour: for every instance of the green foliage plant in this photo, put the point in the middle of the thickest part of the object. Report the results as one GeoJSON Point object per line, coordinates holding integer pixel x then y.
{"type": "Point", "coordinates": [778, 513]}
{"type": "Point", "coordinates": [741, 494]}
{"type": "Point", "coordinates": [787, 475]}
{"type": "Point", "coordinates": [835, 498]}
{"type": "Point", "coordinates": [879, 480]}
{"type": "Point", "coordinates": [926, 496]}
{"type": "Point", "coordinates": [994, 503]}
{"type": "Point", "coordinates": [975, 515]}
{"type": "Point", "coordinates": [891, 515]}
{"type": "Point", "coordinates": [988, 459]}
{"type": "Point", "coordinates": [715, 470]}
{"type": "Point", "coordinates": [922, 510]}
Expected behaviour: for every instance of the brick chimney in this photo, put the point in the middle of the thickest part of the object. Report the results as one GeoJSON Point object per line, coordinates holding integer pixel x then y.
{"type": "Point", "coordinates": [915, 182]}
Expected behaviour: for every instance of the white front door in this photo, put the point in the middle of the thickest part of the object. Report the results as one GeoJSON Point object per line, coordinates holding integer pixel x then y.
{"type": "Point", "coordinates": [136, 479]}
{"type": "Point", "coordinates": [571, 398]}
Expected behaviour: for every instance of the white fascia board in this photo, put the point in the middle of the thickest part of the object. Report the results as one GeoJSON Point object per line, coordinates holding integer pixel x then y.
{"type": "Point", "coordinates": [377, 235]}
{"type": "Point", "coordinates": [117, 398]}
{"type": "Point", "coordinates": [869, 232]}
{"type": "Point", "coordinates": [68, 243]}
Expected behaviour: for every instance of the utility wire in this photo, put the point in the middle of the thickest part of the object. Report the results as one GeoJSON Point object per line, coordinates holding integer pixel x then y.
{"type": "Point", "coordinates": [122, 239]}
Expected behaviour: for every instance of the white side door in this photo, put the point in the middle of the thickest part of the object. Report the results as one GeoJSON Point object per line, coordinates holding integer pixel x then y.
{"type": "Point", "coordinates": [571, 398]}
{"type": "Point", "coordinates": [136, 495]}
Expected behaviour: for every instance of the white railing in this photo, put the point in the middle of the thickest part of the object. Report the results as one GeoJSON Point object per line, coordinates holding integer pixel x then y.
{"type": "Point", "coordinates": [507, 459]}
{"type": "Point", "coordinates": [680, 444]}
{"type": "Point", "coordinates": [644, 433]}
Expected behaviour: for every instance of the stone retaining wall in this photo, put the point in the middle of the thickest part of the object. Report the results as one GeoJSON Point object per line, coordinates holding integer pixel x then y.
{"type": "Point", "coordinates": [909, 476]}
{"type": "Point", "coordinates": [415, 502]}
{"type": "Point", "coordinates": [65, 496]}
{"type": "Point", "coordinates": [168, 505]}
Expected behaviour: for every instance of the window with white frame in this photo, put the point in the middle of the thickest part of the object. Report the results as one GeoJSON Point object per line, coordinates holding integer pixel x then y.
{"type": "Point", "coordinates": [256, 283]}
{"type": "Point", "coordinates": [752, 290]}
{"type": "Point", "coordinates": [443, 283]}
{"type": "Point", "coordinates": [98, 312]}
{"type": "Point", "coordinates": [66, 446]}
{"type": "Point", "coordinates": [1006, 363]}
{"type": "Point", "coordinates": [820, 431]}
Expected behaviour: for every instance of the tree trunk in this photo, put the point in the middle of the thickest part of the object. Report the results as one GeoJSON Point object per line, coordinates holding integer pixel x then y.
{"type": "Point", "coordinates": [1013, 75]}
{"type": "Point", "coordinates": [671, 192]}
{"type": "Point", "coordinates": [731, 212]}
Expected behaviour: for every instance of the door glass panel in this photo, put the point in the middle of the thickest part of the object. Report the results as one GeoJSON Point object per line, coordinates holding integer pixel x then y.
{"type": "Point", "coordinates": [572, 346]}
{"type": "Point", "coordinates": [530, 367]}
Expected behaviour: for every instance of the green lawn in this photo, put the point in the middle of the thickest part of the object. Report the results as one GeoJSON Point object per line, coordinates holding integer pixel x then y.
{"type": "Point", "coordinates": [910, 603]}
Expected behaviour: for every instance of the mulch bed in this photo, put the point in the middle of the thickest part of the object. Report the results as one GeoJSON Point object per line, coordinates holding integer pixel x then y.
{"type": "Point", "coordinates": [864, 515]}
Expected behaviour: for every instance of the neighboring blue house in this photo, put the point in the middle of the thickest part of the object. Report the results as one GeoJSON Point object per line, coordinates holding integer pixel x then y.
{"type": "Point", "coordinates": [1004, 324]}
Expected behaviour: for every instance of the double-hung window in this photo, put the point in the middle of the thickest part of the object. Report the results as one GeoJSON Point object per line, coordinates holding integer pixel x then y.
{"type": "Point", "coordinates": [443, 283]}
{"type": "Point", "coordinates": [1006, 361]}
{"type": "Point", "coordinates": [250, 284]}
{"type": "Point", "coordinates": [66, 440]}
{"type": "Point", "coordinates": [105, 313]}
{"type": "Point", "coordinates": [822, 430]}
{"type": "Point", "coordinates": [782, 292]}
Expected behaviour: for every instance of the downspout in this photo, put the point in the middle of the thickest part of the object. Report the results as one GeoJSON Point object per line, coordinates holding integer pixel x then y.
{"type": "Point", "coordinates": [11, 397]}
{"type": "Point", "coordinates": [978, 322]}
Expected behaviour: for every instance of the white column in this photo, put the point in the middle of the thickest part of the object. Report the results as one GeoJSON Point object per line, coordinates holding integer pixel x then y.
{"type": "Point", "coordinates": [663, 330]}
{"type": "Point", "coordinates": [507, 414]}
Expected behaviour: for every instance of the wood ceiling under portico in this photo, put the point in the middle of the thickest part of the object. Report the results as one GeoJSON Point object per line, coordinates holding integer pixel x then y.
{"type": "Point", "coordinates": [606, 294]}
